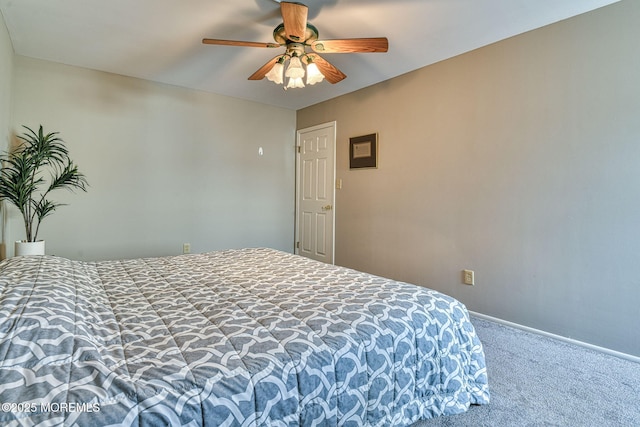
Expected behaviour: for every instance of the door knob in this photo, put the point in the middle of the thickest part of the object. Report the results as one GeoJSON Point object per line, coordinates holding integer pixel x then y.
{"type": "Point", "coordinates": [326, 208]}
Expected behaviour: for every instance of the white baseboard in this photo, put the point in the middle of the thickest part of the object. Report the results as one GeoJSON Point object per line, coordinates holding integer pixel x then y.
{"type": "Point", "coordinates": [626, 356]}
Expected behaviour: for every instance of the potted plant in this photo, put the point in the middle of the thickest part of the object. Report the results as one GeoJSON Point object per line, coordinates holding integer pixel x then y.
{"type": "Point", "coordinates": [38, 165]}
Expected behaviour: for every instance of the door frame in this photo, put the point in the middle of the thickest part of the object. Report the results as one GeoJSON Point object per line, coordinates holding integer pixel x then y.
{"type": "Point", "coordinates": [299, 178]}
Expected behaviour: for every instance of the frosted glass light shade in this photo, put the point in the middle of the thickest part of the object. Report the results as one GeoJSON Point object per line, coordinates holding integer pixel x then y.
{"type": "Point", "coordinates": [313, 74]}
{"type": "Point", "coordinates": [276, 74]}
{"type": "Point", "coordinates": [295, 70]}
{"type": "Point", "coordinates": [295, 82]}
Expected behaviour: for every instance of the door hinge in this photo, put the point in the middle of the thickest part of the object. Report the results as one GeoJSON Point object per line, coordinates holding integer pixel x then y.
{"type": "Point", "coordinates": [297, 245]}
{"type": "Point", "coordinates": [298, 148]}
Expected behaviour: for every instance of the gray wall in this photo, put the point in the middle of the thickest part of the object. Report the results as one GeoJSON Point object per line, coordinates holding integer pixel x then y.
{"type": "Point", "coordinates": [6, 71]}
{"type": "Point", "coordinates": [166, 165]}
{"type": "Point", "coordinates": [519, 161]}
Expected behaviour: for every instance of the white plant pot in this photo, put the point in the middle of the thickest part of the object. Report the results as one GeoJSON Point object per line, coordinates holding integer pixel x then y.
{"type": "Point", "coordinates": [23, 248]}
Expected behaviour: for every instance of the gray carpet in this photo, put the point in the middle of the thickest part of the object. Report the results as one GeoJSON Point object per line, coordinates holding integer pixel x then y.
{"type": "Point", "coordinates": [539, 381]}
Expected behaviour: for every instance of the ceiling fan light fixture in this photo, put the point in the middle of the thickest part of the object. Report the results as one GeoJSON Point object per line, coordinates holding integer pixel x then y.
{"type": "Point", "coordinates": [276, 74]}
{"type": "Point", "coordinates": [295, 69]}
{"type": "Point", "coordinates": [294, 83]}
{"type": "Point", "coordinates": [313, 73]}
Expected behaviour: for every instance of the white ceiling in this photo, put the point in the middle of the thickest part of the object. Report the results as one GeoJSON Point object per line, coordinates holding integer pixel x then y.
{"type": "Point", "coordinates": [160, 40]}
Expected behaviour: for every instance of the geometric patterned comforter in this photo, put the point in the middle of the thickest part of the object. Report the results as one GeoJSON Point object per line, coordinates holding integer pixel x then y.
{"type": "Point", "coordinates": [252, 337]}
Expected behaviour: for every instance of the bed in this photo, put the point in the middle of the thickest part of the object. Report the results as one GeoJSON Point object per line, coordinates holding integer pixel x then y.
{"type": "Point", "coordinates": [247, 337]}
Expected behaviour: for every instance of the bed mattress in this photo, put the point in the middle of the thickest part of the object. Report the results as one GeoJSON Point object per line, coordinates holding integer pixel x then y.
{"type": "Point", "coordinates": [251, 337]}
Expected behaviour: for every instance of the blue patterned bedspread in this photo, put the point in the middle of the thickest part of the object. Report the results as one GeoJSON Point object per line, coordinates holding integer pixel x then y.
{"type": "Point", "coordinates": [252, 337]}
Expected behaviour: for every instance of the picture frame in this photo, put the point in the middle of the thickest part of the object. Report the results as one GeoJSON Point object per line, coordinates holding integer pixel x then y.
{"type": "Point", "coordinates": [363, 151]}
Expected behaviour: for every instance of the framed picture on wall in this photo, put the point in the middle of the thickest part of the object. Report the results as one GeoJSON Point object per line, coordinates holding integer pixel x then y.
{"type": "Point", "coordinates": [363, 151]}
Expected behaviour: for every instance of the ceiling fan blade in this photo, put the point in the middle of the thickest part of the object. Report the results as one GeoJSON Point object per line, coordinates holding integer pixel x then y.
{"type": "Point", "coordinates": [294, 17]}
{"type": "Point", "coordinates": [365, 45]}
{"type": "Point", "coordinates": [330, 72]}
{"type": "Point", "coordinates": [259, 75]}
{"type": "Point", "coordinates": [239, 43]}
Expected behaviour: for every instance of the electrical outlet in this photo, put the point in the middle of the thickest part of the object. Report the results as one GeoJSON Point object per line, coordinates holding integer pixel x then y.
{"type": "Point", "coordinates": [186, 248]}
{"type": "Point", "coordinates": [468, 277]}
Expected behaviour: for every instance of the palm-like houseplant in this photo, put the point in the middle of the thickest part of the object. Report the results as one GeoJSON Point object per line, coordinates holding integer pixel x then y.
{"type": "Point", "coordinates": [39, 165]}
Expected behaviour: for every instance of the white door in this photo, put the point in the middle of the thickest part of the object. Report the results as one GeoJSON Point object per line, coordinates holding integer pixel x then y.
{"type": "Point", "coordinates": [315, 192]}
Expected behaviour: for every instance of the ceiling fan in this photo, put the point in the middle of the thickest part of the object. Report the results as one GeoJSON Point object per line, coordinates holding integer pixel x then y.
{"type": "Point", "coordinates": [296, 34]}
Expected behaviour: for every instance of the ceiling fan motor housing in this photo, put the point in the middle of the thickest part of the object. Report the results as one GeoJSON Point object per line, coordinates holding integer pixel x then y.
{"type": "Point", "coordinates": [279, 35]}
